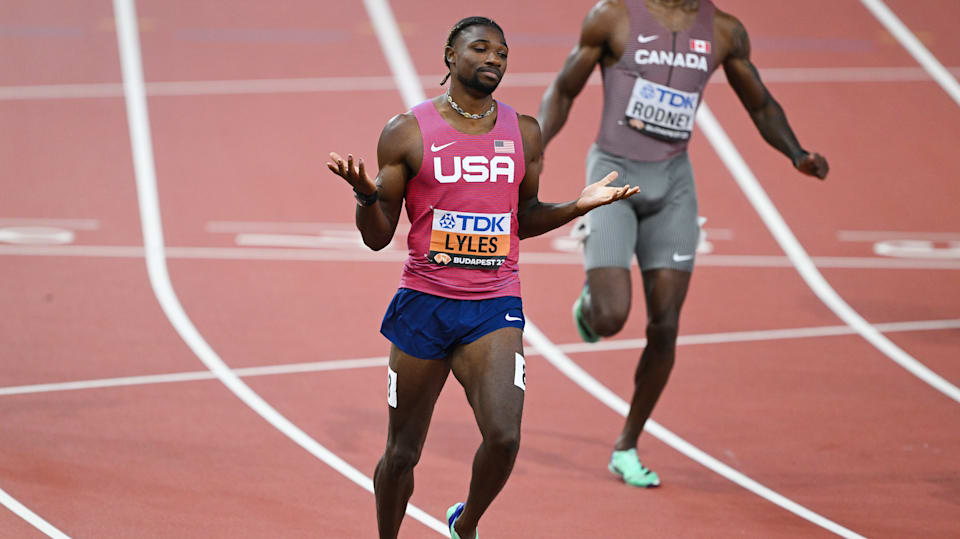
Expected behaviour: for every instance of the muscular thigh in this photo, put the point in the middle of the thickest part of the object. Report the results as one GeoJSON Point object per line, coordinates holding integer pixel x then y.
{"type": "Point", "coordinates": [413, 385]}
{"type": "Point", "coordinates": [667, 237]}
{"type": "Point", "coordinates": [492, 371]}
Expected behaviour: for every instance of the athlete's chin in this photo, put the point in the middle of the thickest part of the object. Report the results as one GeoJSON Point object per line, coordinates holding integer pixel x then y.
{"type": "Point", "coordinates": [484, 87]}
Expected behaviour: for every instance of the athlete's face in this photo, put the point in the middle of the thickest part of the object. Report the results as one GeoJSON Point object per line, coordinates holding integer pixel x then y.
{"type": "Point", "coordinates": [480, 58]}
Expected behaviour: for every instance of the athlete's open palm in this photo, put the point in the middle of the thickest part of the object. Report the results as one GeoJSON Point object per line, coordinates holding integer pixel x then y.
{"type": "Point", "coordinates": [599, 193]}
{"type": "Point", "coordinates": [356, 176]}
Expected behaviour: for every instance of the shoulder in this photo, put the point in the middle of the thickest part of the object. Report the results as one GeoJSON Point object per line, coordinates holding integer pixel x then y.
{"type": "Point", "coordinates": [604, 16]}
{"type": "Point", "coordinates": [402, 133]}
{"type": "Point", "coordinates": [529, 127]}
{"type": "Point", "coordinates": [401, 126]}
{"type": "Point", "coordinates": [730, 33]}
{"type": "Point", "coordinates": [530, 134]}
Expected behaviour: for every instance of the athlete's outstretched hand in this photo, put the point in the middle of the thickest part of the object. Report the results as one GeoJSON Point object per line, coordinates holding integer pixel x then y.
{"type": "Point", "coordinates": [355, 176]}
{"type": "Point", "coordinates": [813, 164]}
{"type": "Point", "coordinates": [598, 194]}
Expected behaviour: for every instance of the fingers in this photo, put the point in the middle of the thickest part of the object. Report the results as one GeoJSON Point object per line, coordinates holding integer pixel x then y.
{"type": "Point", "coordinates": [609, 178]}
{"type": "Point", "coordinates": [362, 170]}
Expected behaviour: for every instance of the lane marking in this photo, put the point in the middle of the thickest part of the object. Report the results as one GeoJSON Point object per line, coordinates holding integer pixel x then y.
{"type": "Point", "coordinates": [913, 45]}
{"type": "Point", "coordinates": [397, 255]}
{"type": "Point", "coordinates": [34, 519]}
{"type": "Point", "coordinates": [72, 224]}
{"type": "Point", "coordinates": [109, 90]}
{"type": "Point", "coordinates": [590, 384]}
{"type": "Point", "coordinates": [413, 93]}
{"type": "Point", "coordinates": [570, 348]}
{"type": "Point", "coordinates": [145, 174]}
{"type": "Point", "coordinates": [765, 208]}
{"type": "Point", "coordinates": [880, 235]}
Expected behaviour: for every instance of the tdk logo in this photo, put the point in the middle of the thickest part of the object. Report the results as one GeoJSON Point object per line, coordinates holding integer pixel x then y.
{"type": "Point", "coordinates": [674, 99]}
{"type": "Point", "coordinates": [474, 168]}
{"type": "Point", "coordinates": [493, 224]}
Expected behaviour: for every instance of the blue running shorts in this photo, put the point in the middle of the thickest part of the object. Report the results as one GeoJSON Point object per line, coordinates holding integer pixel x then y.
{"type": "Point", "coordinates": [430, 327]}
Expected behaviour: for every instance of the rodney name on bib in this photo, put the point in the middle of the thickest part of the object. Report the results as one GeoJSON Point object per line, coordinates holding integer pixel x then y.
{"type": "Point", "coordinates": [469, 240]}
{"type": "Point", "coordinates": [660, 111]}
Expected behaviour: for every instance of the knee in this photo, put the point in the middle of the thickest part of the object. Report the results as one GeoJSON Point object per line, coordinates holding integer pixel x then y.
{"type": "Point", "coordinates": [607, 318]}
{"type": "Point", "coordinates": [662, 334]}
{"type": "Point", "coordinates": [505, 443]}
{"type": "Point", "coordinates": [398, 460]}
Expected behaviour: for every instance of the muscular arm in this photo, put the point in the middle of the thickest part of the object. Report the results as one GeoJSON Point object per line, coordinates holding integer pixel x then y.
{"type": "Point", "coordinates": [536, 217]}
{"type": "Point", "coordinates": [764, 110]}
{"type": "Point", "coordinates": [594, 36]}
{"type": "Point", "coordinates": [398, 147]}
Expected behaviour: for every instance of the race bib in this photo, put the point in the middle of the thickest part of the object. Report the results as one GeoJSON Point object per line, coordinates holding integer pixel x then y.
{"type": "Point", "coordinates": [660, 111]}
{"type": "Point", "coordinates": [469, 240]}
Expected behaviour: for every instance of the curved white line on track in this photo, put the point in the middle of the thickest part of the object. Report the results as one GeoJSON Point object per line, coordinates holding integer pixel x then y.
{"type": "Point", "coordinates": [590, 384]}
{"type": "Point", "coordinates": [413, 95]}
{"type": "Point", "coordinates": [145, 172]}
{"type": "Point", "coordinates": [913, 45]}
{"type": "Point", "coordinates": [35, 520]}
{"type": "Point", "coordinates": [744, 177]}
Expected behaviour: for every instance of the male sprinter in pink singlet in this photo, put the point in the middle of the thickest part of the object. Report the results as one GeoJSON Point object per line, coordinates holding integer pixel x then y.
{"type": "Point", "coordinates": [469, 169]}
{"type": "Point", "coordinates": [656, 57]}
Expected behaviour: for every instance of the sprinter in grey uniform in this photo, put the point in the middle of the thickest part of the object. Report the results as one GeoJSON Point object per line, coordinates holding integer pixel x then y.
{"type": "Point", "coordinates": [656, 57]}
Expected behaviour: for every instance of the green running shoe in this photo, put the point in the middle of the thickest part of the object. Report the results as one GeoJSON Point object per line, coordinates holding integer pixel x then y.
{"type": "Point", "coordinates": [626, 465]}
{"type": "Point", "coordinates": [586, 333]}
{"type": "Point", "coordinates": [452, 514]}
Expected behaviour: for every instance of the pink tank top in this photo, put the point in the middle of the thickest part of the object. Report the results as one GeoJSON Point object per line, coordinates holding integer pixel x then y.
{"type": "Point", "coordinates": [462, 207]}
{"type": "Point", "coordinates": [656, 86]}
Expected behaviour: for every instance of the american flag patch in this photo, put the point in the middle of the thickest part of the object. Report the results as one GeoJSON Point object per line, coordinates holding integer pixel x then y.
{"type": "Point", "coordinates": [700, 45]}
{"type": "Point", "coordinates": [503, 146]}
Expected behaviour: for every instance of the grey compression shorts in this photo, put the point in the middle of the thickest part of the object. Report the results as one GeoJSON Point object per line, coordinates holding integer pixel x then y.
{"type": "Point", "coordinates": [658, 224]}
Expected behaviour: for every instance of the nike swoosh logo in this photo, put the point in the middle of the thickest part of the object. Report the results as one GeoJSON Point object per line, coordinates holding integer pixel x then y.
{"type": "Point", "coordinates": [435, 148]}
{"type": "Point", "coordinates": [646, 39]}
{"type": "Point", "coordinates": [681, 258]}
{"type": "Point", "coordinates": [512, 318]}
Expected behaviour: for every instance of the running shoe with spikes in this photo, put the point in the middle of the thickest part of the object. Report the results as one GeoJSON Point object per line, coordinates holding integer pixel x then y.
{"type": "Point", "coordinates": [453, 513]}
{"type": "Point", "coordinates": [586, 332]}
{"type": "Point", "coordinates": [626, 465]}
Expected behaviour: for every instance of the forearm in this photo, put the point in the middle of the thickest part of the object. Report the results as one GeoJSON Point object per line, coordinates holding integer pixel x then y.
{"type": "Point", "coordinates": [772, 123]}
{"type": "Point", "coordinates": [374, 226]}
{"type": "Point", "coordinates": [553, 112]}
{"type": "Point", "coordinates": [542, 217]}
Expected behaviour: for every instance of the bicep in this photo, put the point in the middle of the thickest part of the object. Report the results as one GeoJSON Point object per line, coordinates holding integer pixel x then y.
{"type": "Point", "coordinates": [740, 71]}
{"type": "Point", "coordinates": [393, 149]}
{"type": "Point", "coordinates": [533, 156]}
{"type": "Point", "coordinates": [577, 69]}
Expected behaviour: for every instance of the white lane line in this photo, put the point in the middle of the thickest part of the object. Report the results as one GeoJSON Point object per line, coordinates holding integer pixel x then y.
{"type": "Point", "coordinates": [913, 45]}
{"type": "Point", "coordinates": [808, 271]}
{"type": "Point", "coordinates": [145, 173]}
{"type": "Point", "coordinates": [881, 235]}
{"type": "Point", "coordinates": [413, 94]}
{"type": "Point", "coordinates": [761, 335]}
{"type": "Point", "coordinates": [570, 348]}
{"type": "Point", "coordinates": [107, 90]}
{"type": "Point", "coordinates": [316, 255]}
{"type": "Point", "coordinates": [72, 224]}
{"type": "Point", "coordinates": [35, 520]}
{"type": "Point", "coordinates": [590, 384]}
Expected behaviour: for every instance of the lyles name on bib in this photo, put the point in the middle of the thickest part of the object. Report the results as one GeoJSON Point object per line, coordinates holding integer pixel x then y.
{"type": "Point", "coordinates": [469, 240]}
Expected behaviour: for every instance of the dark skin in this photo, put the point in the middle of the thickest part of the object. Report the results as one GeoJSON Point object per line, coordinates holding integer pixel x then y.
{"type": "Point", "coordinates": [485, 367]}
{"type": "Point", "coordinates": [603, 39]}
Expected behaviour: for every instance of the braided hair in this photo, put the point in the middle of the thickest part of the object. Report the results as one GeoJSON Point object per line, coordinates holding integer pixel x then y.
{"type": "Point", "coordinates": [462, 25]}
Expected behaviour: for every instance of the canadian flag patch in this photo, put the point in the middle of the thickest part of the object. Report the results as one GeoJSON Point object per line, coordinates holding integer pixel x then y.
{"type": "Point", "coordinates": [700, 45]}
